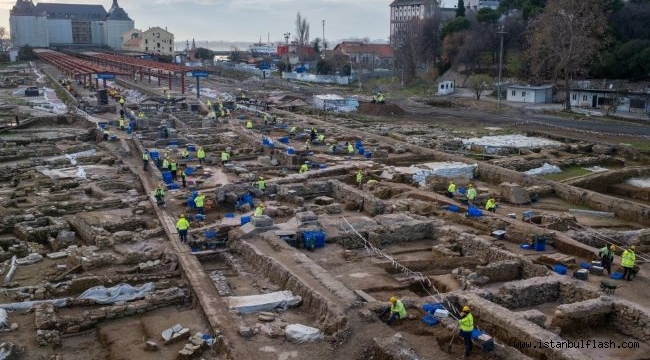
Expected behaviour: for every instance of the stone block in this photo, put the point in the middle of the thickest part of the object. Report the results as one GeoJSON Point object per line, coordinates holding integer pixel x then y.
{"type": "Point", "coordinates": [261, 221]}
{"type": "Point", "coordinates": [535, 316]}
{"type": "Point", "coordinates": [245, 331]}
{"type": "Point", "coordinates": [323, 200]}
{"type": "Point", "coordinates": [333, 209]}
{"type": "Point", "coordinates": [306, 216]}
{"type": "Point", "coordinates": [514, 193]}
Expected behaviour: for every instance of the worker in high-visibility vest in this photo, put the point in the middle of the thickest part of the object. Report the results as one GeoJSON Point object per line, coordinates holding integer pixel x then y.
{"type": "Point", "coordinates": [249, 124]}
{"type": "Point", "coordinates": [350, 149]}
{"type": "Point", "coordinates": [199, 202]}
{"type": "Point", "coordinates": [200, 154]}
{"type": "Point", "coordinates": [121, 122]}
{"type": "Point", "coordinates": [471, 194]}
{"type": "Point", "coordinates": [466, 326]}
{"type": "Point", "coordinates": [360, 178]}
{"type": "Point", "coordinates": [303, 168]}
{"type": "Point", "coordinates": [451, 189]}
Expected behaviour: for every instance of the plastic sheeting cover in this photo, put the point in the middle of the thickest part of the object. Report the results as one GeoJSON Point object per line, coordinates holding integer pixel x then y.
{"type": "Point", "coordinates": [263, 302]}
{"type": "Point", "coordinates": [301, 333]}
{"type": "Point", "coordinates": [121, 292]}
{"type": "Point", "coordinates": [3, 318]}
{"type": "Point", "coordinates": [26, 305]}
{"type": "Point", "coordinates": [545, 169]}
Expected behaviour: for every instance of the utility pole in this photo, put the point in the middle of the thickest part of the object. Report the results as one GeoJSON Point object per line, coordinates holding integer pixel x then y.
{"type": "Point", "coordinates": [501, 32]}
{"type": "Point", "coordinates": [286, 41]}
{"type": "Point", "coordinates": [324, 47]}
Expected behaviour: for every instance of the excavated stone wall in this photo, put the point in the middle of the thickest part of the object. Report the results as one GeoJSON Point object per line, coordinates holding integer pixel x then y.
{"type": "Point", "coordinates": [473, 245]}
{"type": "Point", "coordinates": [40, 229]}
{"type": "Point", "coordinates": [329, 315]}
{"type": "Point", "coordinates": [631, 319]}
{"type": "Point", "coordinates": [506, 270]}
{"type": "Point", "coordinates": [539, 290]}
{"type": "Point", "coordinates": [47, 319]}
{"type": "Point", "coordinates": [600, 181]}
{"type": "Point", "coordinates": [592, 313]}
{"type": "Point", "coordinates": [351, 194]}
{"type": "Point", "coordinates": [511, 327]}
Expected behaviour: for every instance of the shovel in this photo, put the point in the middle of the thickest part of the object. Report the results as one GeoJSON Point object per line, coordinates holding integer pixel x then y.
{"type": "Point", "coordinates": [452, 340]}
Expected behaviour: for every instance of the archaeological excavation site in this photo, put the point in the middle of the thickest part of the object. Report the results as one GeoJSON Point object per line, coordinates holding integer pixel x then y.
{"type": "Point", "coordinates": [302, 224]}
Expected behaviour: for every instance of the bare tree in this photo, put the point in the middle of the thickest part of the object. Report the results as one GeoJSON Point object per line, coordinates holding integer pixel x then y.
{"type": "Point", "coordinates": [5, 44]}
{"type": "Point", "coordinates": [565, 38]}
{"type": "Point", "coordinates": [302, 33]}
{"type": "Point", "coordinates": [479, 82]}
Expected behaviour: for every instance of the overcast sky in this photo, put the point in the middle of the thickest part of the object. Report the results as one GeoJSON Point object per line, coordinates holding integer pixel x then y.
{"type": "Point", "coordinates": [248, 20]}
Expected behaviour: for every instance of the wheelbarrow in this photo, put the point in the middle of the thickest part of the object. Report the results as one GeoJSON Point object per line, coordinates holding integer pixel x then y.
{"type": "Point", "coordinates": [607, 287]}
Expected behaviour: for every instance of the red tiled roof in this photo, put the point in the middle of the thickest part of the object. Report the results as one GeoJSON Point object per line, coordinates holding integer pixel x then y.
{"type": "Point", "coordinates": [352, 47]}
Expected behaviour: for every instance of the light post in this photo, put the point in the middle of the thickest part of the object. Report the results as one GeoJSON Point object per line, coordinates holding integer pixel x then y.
{"type": "Point", "coordinates": [501, 32]}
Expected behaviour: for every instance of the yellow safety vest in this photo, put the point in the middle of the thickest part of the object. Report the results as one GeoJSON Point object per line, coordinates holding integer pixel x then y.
{"type": "Point", "coordinates": [304, 168]}
{"type": "Point", "coordinates": [249, 124]}
{"type": "Point", "coordinates": [359, 177]}
{"type": "Point", "coordinates": [471, 193]}
{"type": "Point", "coordinates": [628, 258]}
{"type": "Point", "coordinates": [451, 188]}
{"type": "Point", "coordinates": [350, 149]}
{"type": "Point", "coordinates": [225, 156]}
{"type": "Point", "coordinates": [198, 201]}
{"type": "Point", "coordinates": [466, 323]}
{"type": "Point", "coordinates": [398, 308]}
{"type": "Point", "coordinates": [182, 224]}
{"type": "Point", "coordinates": [490, 204]}
{"type": "Point", "coordinates": [145, 156]}
{"type": "Point", "coordinates": [200, 154]}
{"type": "Point", "coordinates": [165, 163]}
{"type": "Point", "coordinates": [258, 211]}
{"type": "Point", "coordinates": [261, 185]}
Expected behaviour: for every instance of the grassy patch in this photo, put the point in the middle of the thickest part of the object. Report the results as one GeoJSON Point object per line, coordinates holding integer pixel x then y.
{"type": "Point", "coordinates": [567, 173]}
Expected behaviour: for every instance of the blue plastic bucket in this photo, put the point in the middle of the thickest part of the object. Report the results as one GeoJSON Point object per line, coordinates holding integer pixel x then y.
{"type": "Point", "coordinates": [361, 151]}
{"type": "Point", "coordinates": [167, 177]}
{"type": "Point", "coordinates": [317, 236]}
{"type": "Point", "coordinates": [560, 269]}
{"type": "Point", "coordinates": [191, 148]}
{"type": "Point", "coordinates": [284, 140]}
{"type": "Point", "coordinates": [368, 155]}
{"type": "Point", "coordinates": [210, 234]}
{"type": "Point", "coordinates": [245, 220]}
{"type": "Point", "coordinates": [291, 151]}
{"type": "Point", "coordinates": [189, 171]}
{"type": "Point", "coordinates": [430, 320]}
{"type": "Point", "coordinates": [432, 307]}
{"type": "Point", "coordinates": [358, 144]}
{"type": "Point", "coordinates": [540, 244]}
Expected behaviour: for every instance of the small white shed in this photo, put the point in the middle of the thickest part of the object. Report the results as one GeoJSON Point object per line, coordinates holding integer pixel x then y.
{"type": "Point", "coordinates": [445, 87]}
{"type": "Point", "coordinates": [530, 94]}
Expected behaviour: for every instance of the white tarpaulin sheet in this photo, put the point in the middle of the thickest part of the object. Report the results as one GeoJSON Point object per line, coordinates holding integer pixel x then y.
{"type": "Point", "coordinates": [263, 302]}
{"type": "Point", "coordinates": [545, 169]}
{"type": "Point", "coordinates": [121, 292]}
{"type": "Point", "coordinates": [421, 172]}
{"type": "Point", "coordinates": [302, 334]}
{"type": "Point", "coordinates": [26, 305]}
{"type": "Point", "coordinates": [511, 141]}
{"type": "Point", "coordinates": [641, 183]}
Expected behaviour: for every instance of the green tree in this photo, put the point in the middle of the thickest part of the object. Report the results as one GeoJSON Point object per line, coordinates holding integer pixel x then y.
{"type": "Point", "coordinates": [324, 67]}
{"type": "Point", "coordinates": [478, 83]}
{"type": "Point", "coordinates": [26, 53]}
{"type": "Point", "coordinates": [236, 55]}
{"type": "Point", "coordinates": [455, 25]}
{"type": "Point", "coordinates": [565, 39]}
{"type": "Point", "coordinates": [460, 9]}
{"type": "Point", "coordinates": [203, 54]}
{"type": "Point", "coordinates": [487, 15]}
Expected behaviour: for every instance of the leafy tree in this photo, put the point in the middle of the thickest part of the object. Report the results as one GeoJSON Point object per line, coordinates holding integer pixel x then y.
{"type": "Point", "coordinates": [283, 66]}
{"type": "Point", "coordinates": [565, 38]}
{"type": "Point", "coordinates": [631, 22]}
{"type": "Point", "coordinates": [460, 9]}
{"type": "Point", "coordinates": [478, 83]}
{"type": "Point", "coordinates": [5, 43]}
{"type": "Point", "coordinates": [487, 15]}
{"type": "Point", "coordinates": [455, 25]}
{"type": "Point", "coordinates": [324, 67]}
{"type": "Point", "coordinates": [26, 53]}
{"type": "Point", "coordinates": [203, 54]}
{"type": "Point", "coordinates": [316, 45]}
{"type": "Point", "coordinates": [516, 65]}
